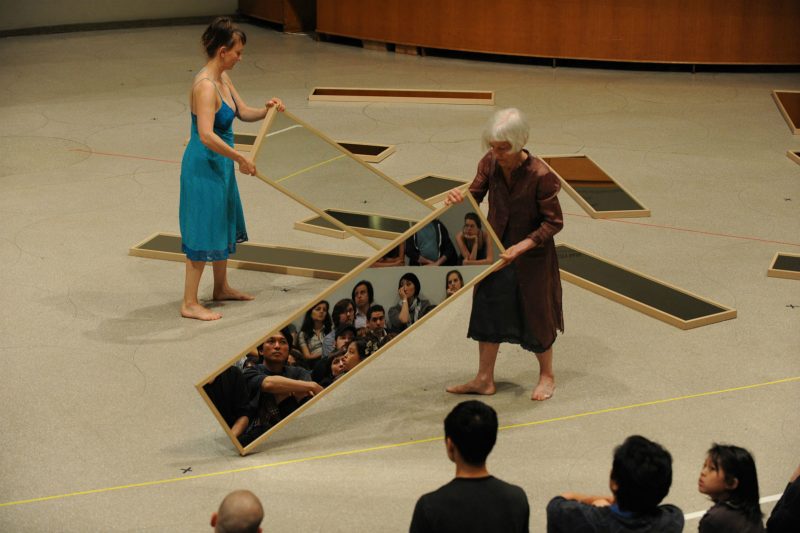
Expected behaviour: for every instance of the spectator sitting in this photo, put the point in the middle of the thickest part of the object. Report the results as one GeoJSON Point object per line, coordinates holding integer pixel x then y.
{"type": "Point", "coordinates": [239, 512]}
{"type": "Point", "coordinates": [474, 501]}
{"type": "Point", "coordinates": [344, 313]}
{"type": "Point", "coordinates": [411, 307]}
{"type": "Point", "coordinates": [363, 296]}
{"type": "Point", "coordinates": [785, 517]}
{"type": "Point", "coordinates": [376, 335]}
{"type": "Point", "coordinates": [276, 388]}
{"type": "Point", "coordinates": [329, 369]}
{"type": "Point", "coordinates": [356, 352]}
{"type": "Point", "coordinates": [640, 478]}
{"type": "Point", "coordinates": [453, 282]}
{"type": "Point", "coordinates": [228, 393]}
{"type": "Point", "coordinates": [431, 245]}
{"type": "Point", "coordinates": [473, 243]}
{"type": "Point", "coordinates": [729, 478]}
{"type": "Point", "coordinates": [316, 324]}
{"type": "Point", "coordinates": [394, 257]}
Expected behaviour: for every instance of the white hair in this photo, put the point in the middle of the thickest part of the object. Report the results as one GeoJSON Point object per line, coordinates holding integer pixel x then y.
{"type": "Point", "coordinates": [507, 125]}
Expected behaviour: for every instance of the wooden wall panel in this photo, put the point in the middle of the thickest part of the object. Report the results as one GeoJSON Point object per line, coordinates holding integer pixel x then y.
{"type": "Point", "coordinates": [669, 31]}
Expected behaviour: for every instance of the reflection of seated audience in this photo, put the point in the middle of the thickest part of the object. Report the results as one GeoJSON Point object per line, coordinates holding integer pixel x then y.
{"type": "Point", "coordinates": [328, 369]}
{"type": "Point", "coordinates": [431, 245]}
{"type": "Point", "coordinates": [729, 478]}
{"type": "Point", "coordinates": [228, 393]}
{"type": "Point", "coordinates": [344, 312]}
{"type": "Point", "coordinates": [316, 324]}
{"type": "Point", "coordinates": [411, 306]}
{"type": "Point", "coordinates": [276, 388]}
{"type": "Point", "coordinates": [363, 296]}
{"type": "Point", "coordinates": [475, 501]}
{"type": "Point", "coordinates": [641, 475]}
{"type": "Point", "coordinates": [453, 282]}
{"type": "Point", "coordinates": [785, 517]}
{"type": "Point", "coordinates": [344, 336]}
{"type": "Point", "coordinates": [473, 243]}
{"type": "Point", "coordinates": [394, 257]}
{"type": "Point", "coordinates": [239, 512]}
{"type": "Point", "coordinates": [375, 334]}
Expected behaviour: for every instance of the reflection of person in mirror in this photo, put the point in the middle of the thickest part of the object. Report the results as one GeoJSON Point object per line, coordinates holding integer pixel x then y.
{"type": "Point", "coordinates": [363, 296]}
{"type": "Point", "coordinates": [356, 352]}
{"type": "Point", "coordinates": [240, 511]}
{"type": "Point", "coordinates": [329, 369]}
{"type": "Point", "coordinates": [521, 302]}
{"type": "Point", "coordinates": [375, 334]}
{"type": "Point", "coordinates": [431, 246]}
{"type": "Point", "coordinates": [473, 243]}
{"type": "Point", "coordinates": [211, 216]}
{"type": "Point", "coordinates": [453, 282]}
{"type": "Point", "coordinates": [316, 324]}
{"type": "Point", "coordinates": [394, 257]}
{"type": "Point", "coordinates": [411, 306]}
{"type": "Point", "coordinates": [474, 500]}
{"type": "Point", "coordinates": [277, 388]}
{"type": "Point", "coordinates": [344, 314]}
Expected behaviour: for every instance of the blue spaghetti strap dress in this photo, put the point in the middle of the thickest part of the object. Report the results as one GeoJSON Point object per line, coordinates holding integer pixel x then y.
{"type": "Point", "coordinates": [211, 215]}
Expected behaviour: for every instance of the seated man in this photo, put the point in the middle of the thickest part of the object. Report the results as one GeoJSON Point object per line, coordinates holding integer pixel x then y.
{"type": "Point", "coordinates": [363, 296]}
{"type": "Point", "coordinates": [228, 392]}
{"type": "Point", "coordinates": [276, 388]}
{"type": "Point", "coordinates": [344, 314]}
{"type": "Point", "coordinates": [376, 334]}
{"type": "Point", "coordinates": [239, 512]}
{"type": "Point", "coordinates": [431, 245]}
{"type": "Point", "coordinates": [474, 500]}
{"type": "Point", "coordinates": [640, 478]}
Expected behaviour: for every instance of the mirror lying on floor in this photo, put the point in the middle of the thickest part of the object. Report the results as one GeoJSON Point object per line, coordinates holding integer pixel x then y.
{"type": "Point", "coordinates": [330, 338]}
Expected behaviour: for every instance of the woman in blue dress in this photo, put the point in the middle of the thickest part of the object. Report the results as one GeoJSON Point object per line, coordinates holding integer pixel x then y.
{"type": "Point", "coordinates": [211, 216]}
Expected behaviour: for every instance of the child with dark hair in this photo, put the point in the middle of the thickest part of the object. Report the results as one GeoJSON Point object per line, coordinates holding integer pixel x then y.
{"type": "Point", "coordinates": [356, 352]}
{"type": "Point", "coordinates": [641, 475]}
{"type": "Point", "coordinates": [729, 478]}
{"type": "Point", "coordinates": [474, 501]}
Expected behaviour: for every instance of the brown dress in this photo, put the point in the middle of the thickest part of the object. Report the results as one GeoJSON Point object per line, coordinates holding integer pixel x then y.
{"type": "Point", "coordinates": [522, 302]}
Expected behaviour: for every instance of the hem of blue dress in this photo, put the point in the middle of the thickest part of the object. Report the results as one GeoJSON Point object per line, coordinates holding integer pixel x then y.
{"type": "Point", "coordinates": [213, 255]}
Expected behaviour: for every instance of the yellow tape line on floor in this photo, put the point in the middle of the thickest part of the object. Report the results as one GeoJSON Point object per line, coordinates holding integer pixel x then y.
{"type": "Point", "coordinates": [397, 445]}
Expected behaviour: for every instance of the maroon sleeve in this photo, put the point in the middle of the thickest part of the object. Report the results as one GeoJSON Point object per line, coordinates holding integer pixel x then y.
{"type": "Point", "coordinates": [549, 209]}
{"type": "Point", "coordinates": [480, 185]}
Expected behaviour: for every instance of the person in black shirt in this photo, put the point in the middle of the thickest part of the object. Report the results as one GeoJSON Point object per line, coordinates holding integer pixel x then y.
{"type": "Point", "coordinates": [474, 501]}
{"type": "Point", "coordinates": [641, 475]}
{"type": "Point", "coordinates": [785, 517]}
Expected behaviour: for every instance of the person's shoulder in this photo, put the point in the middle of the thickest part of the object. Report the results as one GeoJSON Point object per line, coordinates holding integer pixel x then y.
{"type": "Point", "coordinates": [296, 372]}
{"type": "Point", "coordinates": [509, 487]}
{"type": "Point", "coordinates": [571, 515]}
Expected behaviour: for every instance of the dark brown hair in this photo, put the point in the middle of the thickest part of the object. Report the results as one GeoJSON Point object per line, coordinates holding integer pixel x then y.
{"type": "Point", "coordinates": [221, 32]}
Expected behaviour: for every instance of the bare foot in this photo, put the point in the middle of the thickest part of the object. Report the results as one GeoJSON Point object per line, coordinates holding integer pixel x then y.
{"type": "Point", "coordinates": [199, 312]}
{"type": "Point", "coordinates": [473, 387]}
{"type": "Point", "coordinates": [544, 389]}
{"type": "Point", "coordinates": [232, 294]}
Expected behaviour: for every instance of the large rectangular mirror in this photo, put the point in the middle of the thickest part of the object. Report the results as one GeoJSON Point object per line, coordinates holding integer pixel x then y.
{"type": "Point", "coordinates": [325, 342]}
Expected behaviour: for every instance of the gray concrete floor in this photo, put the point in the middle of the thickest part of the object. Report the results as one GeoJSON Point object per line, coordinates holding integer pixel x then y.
{"type": "Point", "coordinates": [100, 415]}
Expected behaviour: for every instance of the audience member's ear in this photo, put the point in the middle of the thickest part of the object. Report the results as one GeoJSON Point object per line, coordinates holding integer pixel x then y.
{"type": "Point", "coordinates": [213, 519]}
{"type": "Point", "coordinates": [613, 485]}
{"type": "Point", "coordinates": [451, 449]}
{"type": "Point", "coordinates": [733, 484]}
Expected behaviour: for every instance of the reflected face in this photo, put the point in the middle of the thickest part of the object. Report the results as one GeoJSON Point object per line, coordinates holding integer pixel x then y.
{"type": "Point", "coordinates": [351, 357]}
{"type": "Point", "coordinates": [712, 480]}
{"type": "Point", "coordinates": [319, 312]}
{"type": "Point", "coordinates": [454, 282]}
{"type": "Point", "coordinates": [345, 339]}
{"type": "Point", "coordinates": [276, 349]}
{"type": "Point", "coordinates": [470, 228]}
{"type": "Point", "coordinates": [377, 320]}
{"type": "Point", "coordinates": [409, 289]}
{"type": "Point", "coordinates": [231, 56]}
{"type": "Point", "coordinates": [338, 365]}
{"type": "Point", "coordinates": [502, 152]}
{"type": "Point", "coordinates": [348, 317]}
{"type": "Point", "coordinates": [361, 296]}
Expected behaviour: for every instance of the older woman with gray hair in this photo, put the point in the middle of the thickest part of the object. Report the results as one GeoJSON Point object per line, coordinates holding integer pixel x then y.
{"type": "Point", "coordinates": [520, 302]}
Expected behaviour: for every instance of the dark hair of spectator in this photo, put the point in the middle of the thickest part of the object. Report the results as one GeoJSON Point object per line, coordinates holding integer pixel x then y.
{"type": "Point", "coordinates": [642, 470]}
{"type": "Point", "coordinates": [339, 308]}
{"type": "Point", "coordinates": [370, 290]}
{"type": "Point", "coordinates": [221, 32]}
{"type": "Point", "coordinates": [374, 308]}
{"type": "Point", "coordinates": [472, 427]}
{"type": "Point", "coordinates": [361, 348]}
{"type": "Point", "coordinates": [738, 464]}
{"type": "Point", "coordinates": [457, 273]}
{"type": "Point", "coordinates": [341, 330]}
{"type": "Point", "coordinates": [413, 279]}
{"type": "Point", "coordinates": [473, 217]}
{"type": "Point", "coordinates": [308, 323]}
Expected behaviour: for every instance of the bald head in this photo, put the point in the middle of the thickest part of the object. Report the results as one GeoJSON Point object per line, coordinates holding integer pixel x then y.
{"type": "Point", "coordinates": [239, 512]}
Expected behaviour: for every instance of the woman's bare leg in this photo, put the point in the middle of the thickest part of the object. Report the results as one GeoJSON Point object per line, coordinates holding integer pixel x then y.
{"type": "Point", "coordinates": [191, 308]}
{"type": "Point", "coordinates": [547, 381]}
{"type": "Point", "coordinates": [223, 291]}
{"type": "Point", "coordinates": [483, 383]}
